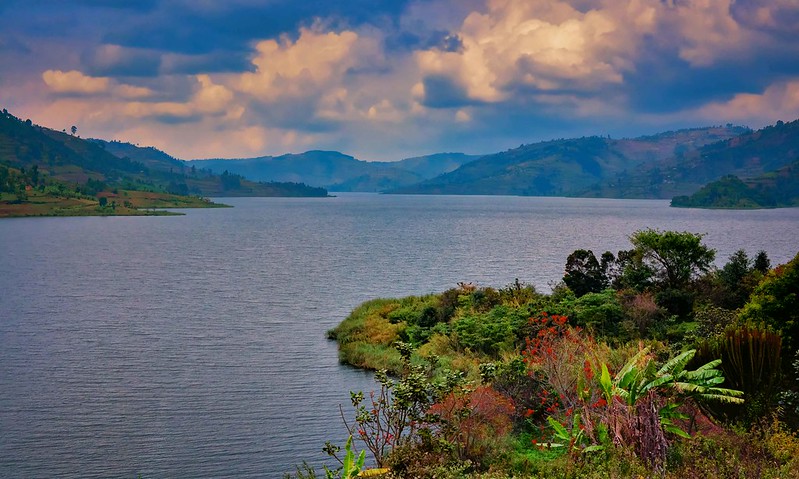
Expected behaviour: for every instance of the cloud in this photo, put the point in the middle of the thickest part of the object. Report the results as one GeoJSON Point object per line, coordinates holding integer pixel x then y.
{"type": "Point", "coordinates": [778, 101]}
{"type": "Point", "coordinates": [74, 81]}
{"type": "Point", "coordinates": [384, 78]}
{"type": "Point", "coordinates": [208, 99]}
{"type": "Point", "coordinates": [285, 68]}
{"type": "Point", "coordinates": [544, 46]}
{"type": "Point", "coordinates": [116, 60]}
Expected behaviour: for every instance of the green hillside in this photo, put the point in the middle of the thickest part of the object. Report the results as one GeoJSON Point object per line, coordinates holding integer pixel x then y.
{"type": "Point", "coordinates": [73, 160]}
{"type": "Point", "coordinates": [589, 166]}
{"type": "Point", "coordinates": [46, 172]}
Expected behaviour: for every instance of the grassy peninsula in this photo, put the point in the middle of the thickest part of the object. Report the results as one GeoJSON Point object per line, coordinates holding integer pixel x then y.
{"type": "Point", "coordinates": [646, 363]}
{"type": "Point", "coordinates": [121, 203]}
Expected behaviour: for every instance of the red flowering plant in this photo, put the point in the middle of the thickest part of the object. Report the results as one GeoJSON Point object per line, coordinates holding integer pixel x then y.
{"type": "Point", "coordinates": [472, 421]}
{"type": "Point", "coordinates": [565, 360]}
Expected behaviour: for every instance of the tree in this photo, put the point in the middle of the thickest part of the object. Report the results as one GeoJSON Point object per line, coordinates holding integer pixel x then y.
{"type": "Point", "coordinates": [775, 302]}
{"type": "Point", "coordinates": [103, 201]}
{"type": "Point", "coordinates": [583, 273]}
{"type": "Point", "coordinates": [675, 257]}
{"type": "Point", "coordinates": [762, 263]}
{"type": "Point", "coordinates": [73, 129]}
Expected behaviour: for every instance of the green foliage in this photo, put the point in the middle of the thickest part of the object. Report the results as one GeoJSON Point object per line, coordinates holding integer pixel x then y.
{"type": "Point", "coordinates": [750, 360]}
{"type": "Point", "coordinates": [583, 273]}
{"type": "Point", "coordinates": [623, 402]}
{"type": "Point", "coordinates": [350, 466]}
{"type": "Point", "coordinates": [399, 413]}
{"type": "Point", "coordinates": [491, 332]}
{"type": "Point", "coordinates": [600, 312]}
{"type": "Point", "coordinates": [473, 422]}
{"type": "Point", "coordinates": [775, 302]}
{"type": "Point", "coordinates": [762, 263]}
{"type": "Point", "coordinates": [712, 321]}
{"type": "Point", "coordinates": [675, 257]}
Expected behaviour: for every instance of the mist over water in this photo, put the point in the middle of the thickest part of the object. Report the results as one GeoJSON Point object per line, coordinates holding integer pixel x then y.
{"type": "Point", "coordinates": [194, 346]}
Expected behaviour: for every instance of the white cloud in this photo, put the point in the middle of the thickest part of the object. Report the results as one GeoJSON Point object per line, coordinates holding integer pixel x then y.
{"type": "Point", "coordinates": [304, 67]}
{"type": "Point", "coordinates": [707, 30]}
{"type": "Point", "coordinates": [778, 101]}
{"type": "Point", "coordinates": [74, 81]}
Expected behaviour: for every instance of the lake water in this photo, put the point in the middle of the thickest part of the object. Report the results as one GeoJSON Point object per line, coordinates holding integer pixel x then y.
{"type": "Point", "coordinates": [194, 346]}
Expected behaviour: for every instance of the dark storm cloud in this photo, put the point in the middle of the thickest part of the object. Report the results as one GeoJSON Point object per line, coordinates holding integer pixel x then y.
{"type": "Point", "coordinates": [443, 92]}
{"type": "Point", "coordinates": [662, 82]}
{"type": "Point", "coordinates": [184, 28]}
{"type": "Point", "coordinates": [110, 60]}
{"type": "Point", "coordinates": [406, 41]}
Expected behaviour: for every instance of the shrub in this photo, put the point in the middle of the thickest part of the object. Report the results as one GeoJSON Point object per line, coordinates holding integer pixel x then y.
{"type": "Point", "coordinates": [750, 360]}
{"type": "Point", "coordinates": [642, 313]}
{"type": "Point", "coordinates": [490, 332]}
{"type": "Point", "coordinates": [474, 422]}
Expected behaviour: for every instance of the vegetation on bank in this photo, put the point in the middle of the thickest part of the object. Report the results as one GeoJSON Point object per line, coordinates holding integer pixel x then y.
{"type": "Point", "coordinates": [29, 192]}
{"type": "Point", "coordinates": [648, 362]}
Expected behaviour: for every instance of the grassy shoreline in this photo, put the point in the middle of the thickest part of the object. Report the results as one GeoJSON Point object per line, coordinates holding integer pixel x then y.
{"type": "Point", "coordinates": [123, 203]}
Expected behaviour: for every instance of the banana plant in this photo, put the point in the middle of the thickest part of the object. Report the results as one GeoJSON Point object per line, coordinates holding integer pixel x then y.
{"type": "Point", "coordinates": [634, 382]}
{"type": "Point", "coordinates": [350, 466]}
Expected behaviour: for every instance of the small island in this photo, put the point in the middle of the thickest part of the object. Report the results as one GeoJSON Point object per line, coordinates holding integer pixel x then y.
{"type": "Point", "coordinates": [777, 189]}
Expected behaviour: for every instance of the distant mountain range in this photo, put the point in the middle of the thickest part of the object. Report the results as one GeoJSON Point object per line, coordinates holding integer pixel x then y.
{"type": "Point", "coordinates": [659, 166]}
{"type": "Point", "coordinates": [339, 172]}
{"type": "Point", "coordinates": [674, 163]}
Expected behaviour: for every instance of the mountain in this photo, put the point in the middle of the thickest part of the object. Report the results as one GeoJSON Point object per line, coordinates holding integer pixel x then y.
{"type": "Point", "coordinates": [73, 160]}
{"type": "Point", "coordinates": [430, 166]}
{"type": "Point", "coordinates": [337, 171]}
{"type": "Point", "coordinates": [774, 189]}
{"type": "Point", "coordinates": [570, 167]}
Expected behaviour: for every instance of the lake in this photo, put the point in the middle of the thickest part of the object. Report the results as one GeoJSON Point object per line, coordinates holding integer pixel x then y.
{"type": "Point", "coordinates": [194, 346]}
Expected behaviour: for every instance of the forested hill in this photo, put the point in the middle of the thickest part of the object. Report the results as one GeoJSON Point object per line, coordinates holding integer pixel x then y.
{"type": "Point", "coordinates": [70, 159]}
{"type": "Point", "coordinates": [746, 156]}
{"type": "Point", "coordinates": [589, 166]}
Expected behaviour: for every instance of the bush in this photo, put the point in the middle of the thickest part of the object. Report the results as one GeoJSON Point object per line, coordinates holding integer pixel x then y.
{"type": "Point", "coordinates": [750, 359]}
{"type": "Point", "coordinates": [492, 332]}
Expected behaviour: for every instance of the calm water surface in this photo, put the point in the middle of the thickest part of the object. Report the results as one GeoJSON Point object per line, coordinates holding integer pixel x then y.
{"type": "Point", "coordinates": [194, 346]}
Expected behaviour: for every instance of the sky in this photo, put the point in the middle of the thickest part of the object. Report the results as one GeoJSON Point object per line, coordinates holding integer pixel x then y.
{"type": "Point", "coordinates": [391, 79]}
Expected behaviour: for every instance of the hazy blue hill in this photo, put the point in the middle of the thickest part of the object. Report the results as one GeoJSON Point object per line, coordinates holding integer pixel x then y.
{"type": "Point", "coordinates": [430, 166]}
{"type": "Point", "coordinates": [337, 171]}
{"type": "Point", "coordinates": [204, 181]}
{"type": "Point", "coordinates": [586, 166]}
{"type": "Point", "coordinates": [323, 168]}
{"type": "Point", "coordinates": [751, 154]}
